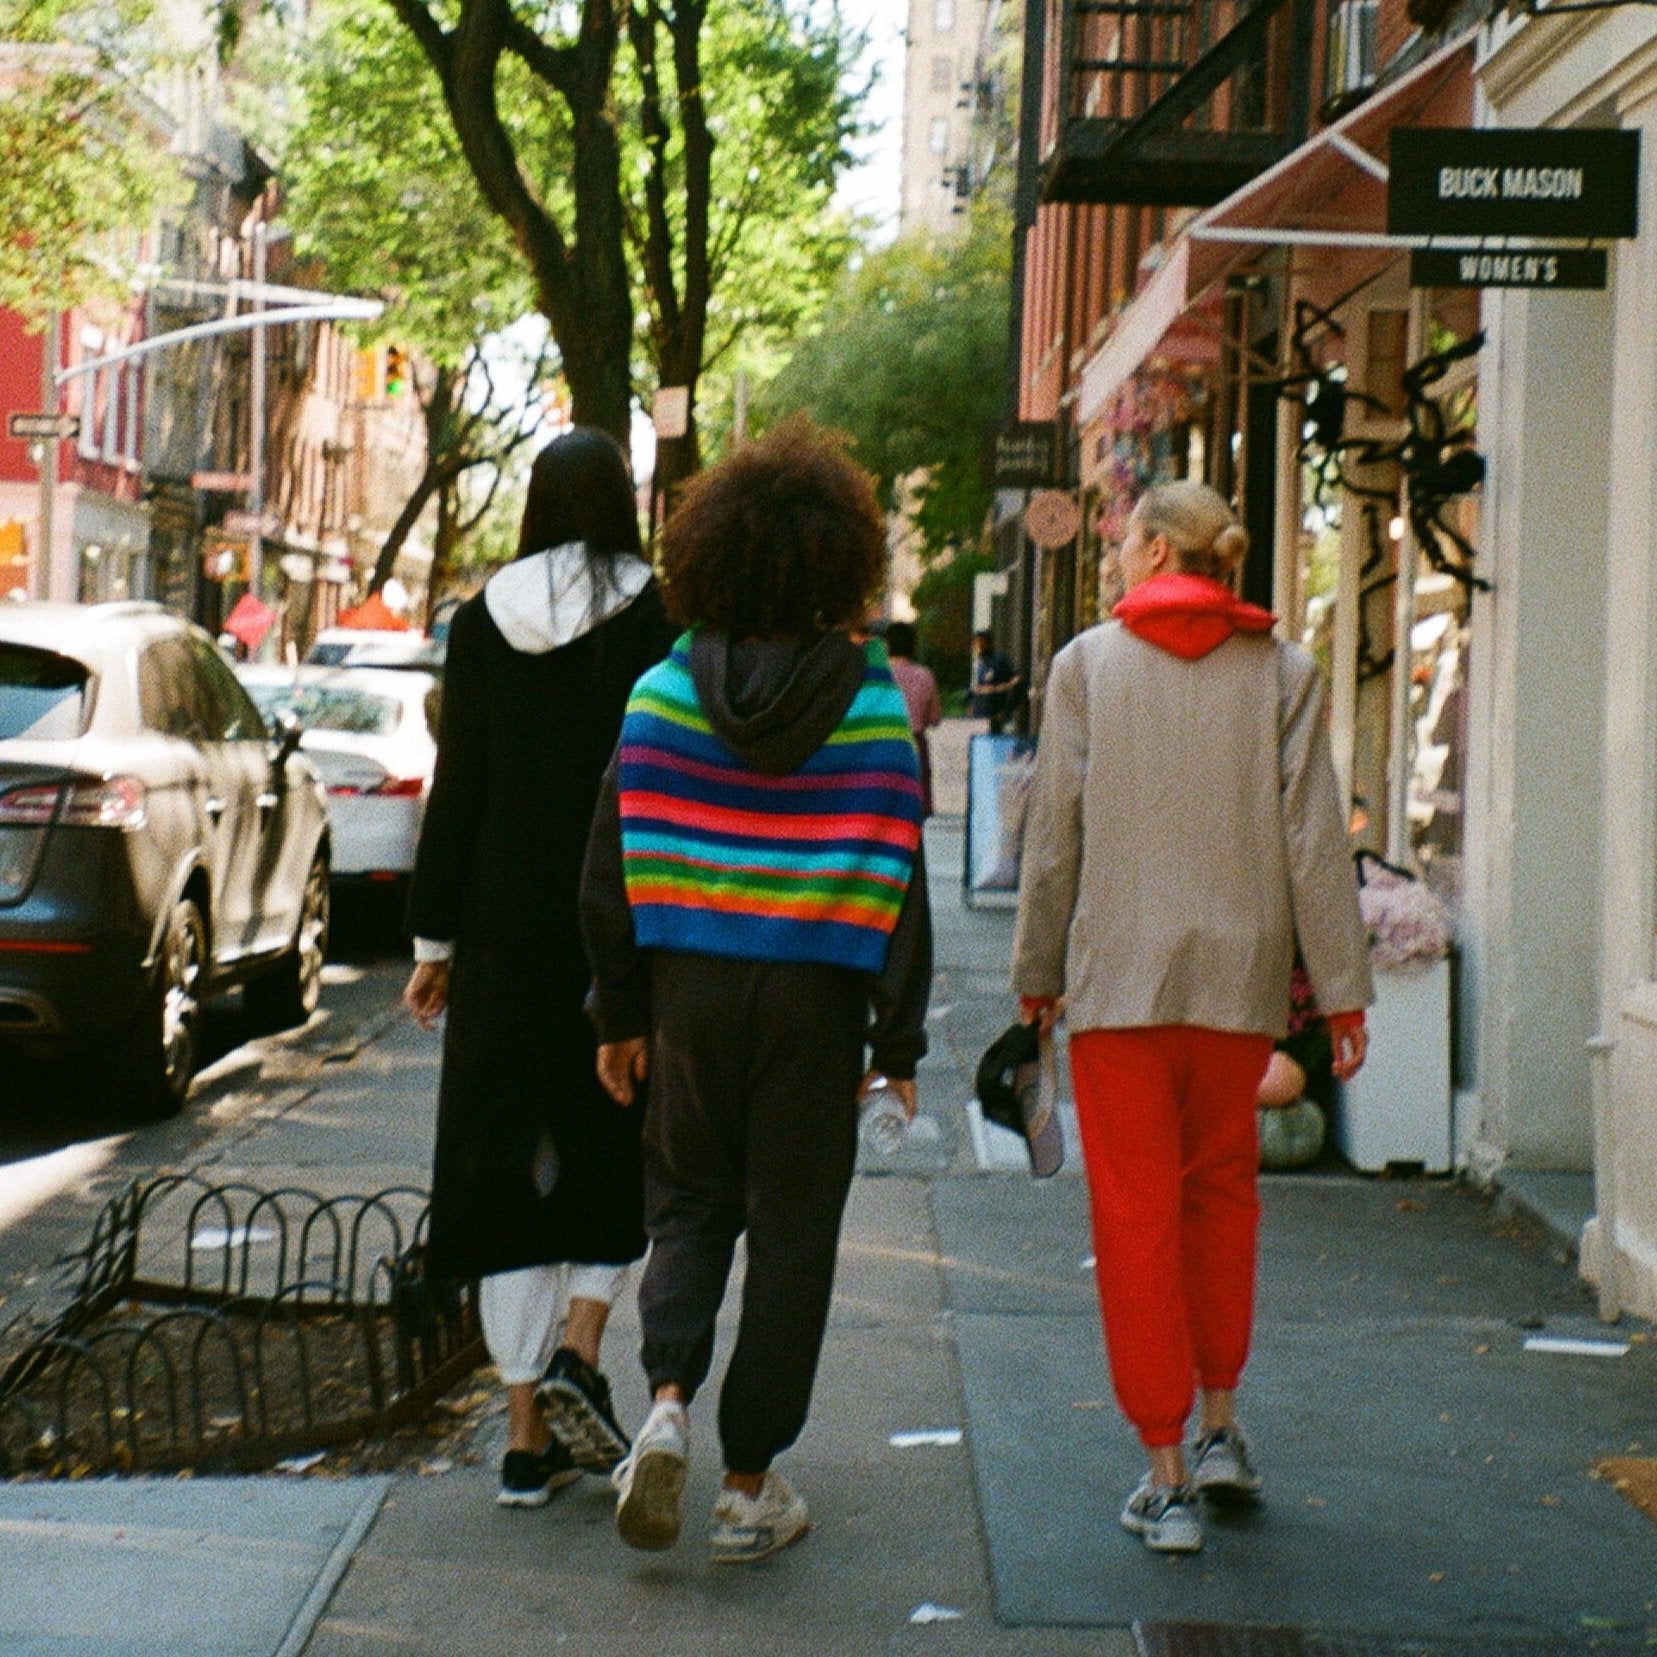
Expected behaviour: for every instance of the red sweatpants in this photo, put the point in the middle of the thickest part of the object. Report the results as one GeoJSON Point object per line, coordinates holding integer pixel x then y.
{"type": "Point", "coordinates": [1167, 1117]}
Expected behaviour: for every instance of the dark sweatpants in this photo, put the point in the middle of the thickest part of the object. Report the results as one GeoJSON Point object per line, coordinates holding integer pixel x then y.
{"type": "Point", "coordinates": [751, 1126]}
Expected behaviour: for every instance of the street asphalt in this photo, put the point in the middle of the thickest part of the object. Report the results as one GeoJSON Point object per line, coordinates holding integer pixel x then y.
{"type": "Point", "coordinates": [1432, 1467]}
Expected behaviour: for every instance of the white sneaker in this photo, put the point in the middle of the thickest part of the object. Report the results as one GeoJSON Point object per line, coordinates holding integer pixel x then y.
{"type": "Point", "coordinates": [1221, 1466]}
{"type": "Point", "coordinates": [750, 1527]}
{"type": "Point", "coordinates": [1164, 1517]}
{"type": "Point", "coordinates": [650, 1482]}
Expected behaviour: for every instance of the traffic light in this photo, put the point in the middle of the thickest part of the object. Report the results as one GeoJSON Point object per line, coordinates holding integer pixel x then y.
{"type": "Point", "coordinates": [396, 374]}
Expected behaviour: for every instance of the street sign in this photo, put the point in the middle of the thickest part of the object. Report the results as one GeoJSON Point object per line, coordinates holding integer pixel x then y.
{"type": "Point", "coordinates": [1530, 267]}
{"type": "Point", "coordinates": [1513, 181]}
{"type": "Point", "coordinates": [223, 482]}
{"type": "Point", "coordinates": [32, 426]}
{"type": "Point", "coordinates": [670, 412]}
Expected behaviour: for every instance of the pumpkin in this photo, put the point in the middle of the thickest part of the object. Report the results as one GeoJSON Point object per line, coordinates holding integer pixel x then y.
{"type": "Point", "coordinates": [1291, 1135]}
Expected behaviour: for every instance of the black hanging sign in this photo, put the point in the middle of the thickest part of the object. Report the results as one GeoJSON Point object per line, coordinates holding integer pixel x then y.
{"type": "Point", "coordinates": [1513, 181]}
{"type": "Point", "coordinates": [1507, 267]}
{"type": "Point", "coordinates": [1026, 454]}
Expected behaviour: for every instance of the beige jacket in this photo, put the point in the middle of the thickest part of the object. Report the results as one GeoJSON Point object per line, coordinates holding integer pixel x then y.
{"type": "Point", "coordinates": [1184, 828]}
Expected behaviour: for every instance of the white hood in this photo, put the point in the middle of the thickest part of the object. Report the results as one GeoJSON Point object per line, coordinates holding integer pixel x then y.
{"type": "Point", "coordinates": [546, 600]}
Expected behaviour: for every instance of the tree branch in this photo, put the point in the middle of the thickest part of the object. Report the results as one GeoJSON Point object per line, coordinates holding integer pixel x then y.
{"type": "Point", "coordinates": [686, 28]}
{"type": "Point", "coordinates": [558, 66]}
{"type": "Point", "coordinates": [476, 45]}
{"type": "Point", "coordinates": [656, 248]}
{"type": "Point", "coordinates": [428, 33]}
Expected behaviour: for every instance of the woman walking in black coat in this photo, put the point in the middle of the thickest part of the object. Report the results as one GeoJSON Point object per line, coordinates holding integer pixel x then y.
{"type": "Point", "coordinates": [536, 1175]}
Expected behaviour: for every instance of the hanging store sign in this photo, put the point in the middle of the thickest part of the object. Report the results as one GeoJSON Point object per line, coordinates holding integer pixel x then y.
{"type": "Point", "coordinates": [1513, 181]}
{"type": "Point", "coordinates": [1026, 454]}
{"type": "Point", "coordinates": [1052, 519]}
{"type": "Point", "coordinates": [1530, 267]}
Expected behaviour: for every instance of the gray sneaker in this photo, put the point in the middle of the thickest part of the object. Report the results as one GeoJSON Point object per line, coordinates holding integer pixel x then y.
{"type": "Point", "coordinates": [750, 1527]}
{"type": "Point", "coordinates": [650, 1483]}
{"type": "Point", "coordinates": [1221, 1468]}
{"type": "Point", "coordinates": [1164, 1517]}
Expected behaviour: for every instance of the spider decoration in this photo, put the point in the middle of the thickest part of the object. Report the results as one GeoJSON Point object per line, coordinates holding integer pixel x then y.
{"type": "Point", "coordinates": [1439, 465]}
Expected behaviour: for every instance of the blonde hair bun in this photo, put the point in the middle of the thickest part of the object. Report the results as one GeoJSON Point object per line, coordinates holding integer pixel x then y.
{"type": "Point", "coordinates": [1231, 546]}
{"type": "Point", "coordinates": [1199, 524]}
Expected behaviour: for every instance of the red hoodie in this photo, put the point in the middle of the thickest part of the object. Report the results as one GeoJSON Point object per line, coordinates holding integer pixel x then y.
{"type": "Point", "coordinates": [1188, 615]}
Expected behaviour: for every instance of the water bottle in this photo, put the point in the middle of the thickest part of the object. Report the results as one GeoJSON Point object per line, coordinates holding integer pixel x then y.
{"type": "Point", "coordinates": [885, 1122]}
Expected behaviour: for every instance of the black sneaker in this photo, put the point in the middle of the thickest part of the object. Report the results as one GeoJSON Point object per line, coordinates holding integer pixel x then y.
{"type": "Point", "coordinates": [576, 1400]}
{"type": "Point", "coordinates": [528, 1479]}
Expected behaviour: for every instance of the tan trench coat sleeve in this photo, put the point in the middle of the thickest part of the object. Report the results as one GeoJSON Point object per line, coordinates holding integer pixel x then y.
{"type": "Point", "coordinates": [1322, 885]}
{"type": "Point", "coordinates": [1051, 863]}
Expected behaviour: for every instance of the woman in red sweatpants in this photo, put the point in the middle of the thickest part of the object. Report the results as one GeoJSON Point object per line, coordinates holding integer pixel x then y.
{"type": "Point", "coordinates": [1184, 833]}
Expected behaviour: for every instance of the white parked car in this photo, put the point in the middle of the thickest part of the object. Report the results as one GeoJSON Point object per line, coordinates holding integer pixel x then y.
{"type": "Point", "coordinates": [372, 647]}
{"type": "Point", "coordinates": [370, 733]}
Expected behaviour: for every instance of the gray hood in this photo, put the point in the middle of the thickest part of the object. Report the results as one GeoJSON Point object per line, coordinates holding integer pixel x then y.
{"type": "Point", "coordinates": [546, 600]}
{"type": "Point", "coordinates": [775, 701]}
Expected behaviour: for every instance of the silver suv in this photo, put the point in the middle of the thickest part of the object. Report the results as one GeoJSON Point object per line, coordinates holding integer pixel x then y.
{"type": "Point", "coordinates": [157, 844]}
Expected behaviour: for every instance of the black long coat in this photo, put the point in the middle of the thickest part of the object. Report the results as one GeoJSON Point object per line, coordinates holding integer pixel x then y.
{"type": "Point", "coordinates": [523, 742]}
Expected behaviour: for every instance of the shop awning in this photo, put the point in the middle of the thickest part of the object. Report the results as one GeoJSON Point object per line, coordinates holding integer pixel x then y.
{"type": "Point", "coordinates": [1331, 193]}
{"type": "Point", "coordinates": [373, 614]}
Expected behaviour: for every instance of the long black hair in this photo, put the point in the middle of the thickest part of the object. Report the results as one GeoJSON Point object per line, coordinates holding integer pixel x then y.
{"type": "Point", "coordinates": [580, 490]}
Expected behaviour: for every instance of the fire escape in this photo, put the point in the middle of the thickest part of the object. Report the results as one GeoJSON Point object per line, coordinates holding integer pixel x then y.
{"type": "Point", "coordinates": [1173, 103]}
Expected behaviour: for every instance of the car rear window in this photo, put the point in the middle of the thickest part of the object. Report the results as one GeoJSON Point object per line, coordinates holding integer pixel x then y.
{"type": "Point", "coordinates": [42, 695]}
{"type": "Point", "coordinates": [330, 707]}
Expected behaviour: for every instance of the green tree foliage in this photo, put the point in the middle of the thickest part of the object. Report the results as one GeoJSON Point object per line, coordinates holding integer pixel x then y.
{"type": "Point", "coordinates": [782, 112]}
{"type": "Point", "coordinates": [910, 361]}
{"type": "Point", "coordinates": [84, 163]}
{"type": "Point", "coordinates": [654, 149]}
{"type": "Point", "coordinates": [378, 189]}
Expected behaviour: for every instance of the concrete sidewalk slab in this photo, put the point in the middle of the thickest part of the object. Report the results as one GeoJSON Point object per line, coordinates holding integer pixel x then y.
{"type": "Point", "coordinates": [896, 1534]}
{"type": "Point", "coordinates": [186, 1567]}
{"type": "Point", "coordinates": [1427, 1475]}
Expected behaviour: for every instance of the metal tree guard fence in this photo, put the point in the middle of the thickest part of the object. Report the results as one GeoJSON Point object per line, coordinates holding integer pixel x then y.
{"type": "Point", "coordinates": [226, 1327]}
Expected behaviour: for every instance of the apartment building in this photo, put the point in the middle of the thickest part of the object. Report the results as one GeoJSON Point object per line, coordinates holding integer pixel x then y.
{"type": "Point", "coordinates": [943, 63]}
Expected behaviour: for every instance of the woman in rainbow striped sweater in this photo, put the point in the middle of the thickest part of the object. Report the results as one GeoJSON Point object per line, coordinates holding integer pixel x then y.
{"type": "Point", "coordinates": [754, 907]}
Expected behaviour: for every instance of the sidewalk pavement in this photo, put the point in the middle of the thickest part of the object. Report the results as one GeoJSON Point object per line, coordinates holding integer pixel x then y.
{"type": "Point", "coordinates": [1430, 1476]}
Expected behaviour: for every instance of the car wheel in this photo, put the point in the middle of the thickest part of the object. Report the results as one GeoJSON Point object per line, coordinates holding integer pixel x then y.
{"type": "Point", "coordinates": [288, 994]}
{"type": "Point", "coordinates": [166, 1041]}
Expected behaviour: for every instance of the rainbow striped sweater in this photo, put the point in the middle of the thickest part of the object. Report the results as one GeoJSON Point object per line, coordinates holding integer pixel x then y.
{"type": "Point", "coordinates": [722, 859]}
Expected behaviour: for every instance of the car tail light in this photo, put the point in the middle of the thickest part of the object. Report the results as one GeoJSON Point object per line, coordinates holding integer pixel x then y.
{"type": "Point", "coordinates": [110, 802]}
{"type": "Point", "coordinates": [31, 807]}
{"type": "Point", "coordinates": [402, 788]}
{"type": "Point", "coordinates": [115, 802]}
{"type": "Point", "coordinates": [397, 788]}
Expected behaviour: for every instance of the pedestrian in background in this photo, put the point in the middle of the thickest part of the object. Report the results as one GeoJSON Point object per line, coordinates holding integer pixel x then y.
{"type": "Point", "coordinates": [536, 1180]}
{"type": "Point", "coordinates": [755, 909]}
{"type": "Point", "coordinates": [920, 697]}
{"type": "Point", "coordinates": [995, 683]}
{"type": "Point", "coordinates": [1185, 828]}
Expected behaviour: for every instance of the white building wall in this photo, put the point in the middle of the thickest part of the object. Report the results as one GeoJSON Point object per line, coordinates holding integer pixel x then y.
{"type": "Point", "coordinates": [1572, 503]}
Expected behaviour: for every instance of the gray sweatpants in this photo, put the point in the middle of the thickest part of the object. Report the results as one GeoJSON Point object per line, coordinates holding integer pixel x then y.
{"type": "Point", "coordinates": [751, 1126]}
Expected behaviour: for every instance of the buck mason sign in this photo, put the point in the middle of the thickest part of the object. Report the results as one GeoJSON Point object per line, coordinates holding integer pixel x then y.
{"type": "Point", "coordinates": [1510, 181]}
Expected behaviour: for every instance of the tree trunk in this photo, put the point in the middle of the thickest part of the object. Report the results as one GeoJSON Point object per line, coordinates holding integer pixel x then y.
{"type": "Point", "coordinates": [431, 481]}
{"type": "Point", "coordinates": [445, 544]}
{"type": "Point", "coordinates": [581, 281]}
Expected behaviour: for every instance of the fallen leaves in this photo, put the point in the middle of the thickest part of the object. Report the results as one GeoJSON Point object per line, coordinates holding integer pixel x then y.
{"type": "Point", "coordinates": [1634, 1478]}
